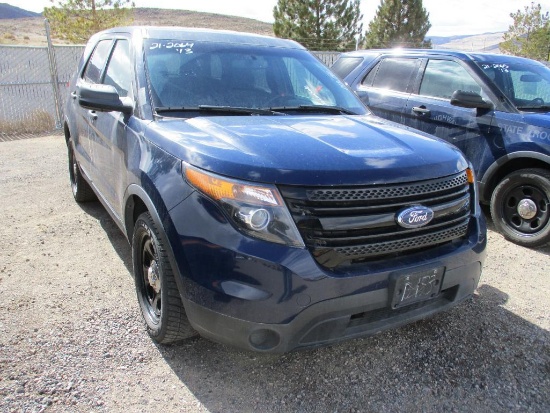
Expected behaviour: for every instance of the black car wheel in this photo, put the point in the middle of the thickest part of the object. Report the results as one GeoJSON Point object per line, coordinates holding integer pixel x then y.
{"type": "Point", "coordinates": [82, 191]}
{"type": "Point", "coordinates": [156, 287]}
{"type": "Point", "coordinates": [520, 207]}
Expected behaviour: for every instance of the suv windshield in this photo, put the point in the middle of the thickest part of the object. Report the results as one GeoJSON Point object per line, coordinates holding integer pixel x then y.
{"type": "Point", "coordinates": [527, 86]}
{"type": "Point", "coordinates": [188, 76]}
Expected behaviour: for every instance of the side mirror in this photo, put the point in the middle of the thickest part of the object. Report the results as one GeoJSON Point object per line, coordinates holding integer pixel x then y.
{"type": "Point", "coordinates": [469, 100]}
{"type": "Point", "coordinates": [104, 98]}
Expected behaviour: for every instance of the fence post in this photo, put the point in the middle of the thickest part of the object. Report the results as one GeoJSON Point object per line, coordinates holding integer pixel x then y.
{"type": "Point", "coordinates": [53, 73]}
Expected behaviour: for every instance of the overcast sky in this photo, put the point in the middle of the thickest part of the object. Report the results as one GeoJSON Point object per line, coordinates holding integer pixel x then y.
{"type": "Point", "coordinates": [448, 17]}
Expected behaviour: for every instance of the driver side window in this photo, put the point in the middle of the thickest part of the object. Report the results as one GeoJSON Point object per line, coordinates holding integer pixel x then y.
{"type": "Point", "coordinates": [443, 77]}
{"type": "Point", "coordinates": [119, 69]}
{"type": "Point", "coordinates": [96, 64]}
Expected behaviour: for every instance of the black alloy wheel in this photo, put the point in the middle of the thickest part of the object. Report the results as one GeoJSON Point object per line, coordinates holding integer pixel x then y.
{"type": "Point", "coordinates": [520, 207]}
{"type": "Point", "coordinates": [156, 288]}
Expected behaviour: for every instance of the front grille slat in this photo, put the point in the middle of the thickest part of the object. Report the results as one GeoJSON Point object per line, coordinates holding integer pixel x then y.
{"type": "Point", "coordinates": [405, 244]}
{"type": "Point", "coordinates": [387, 192]}
{"type": "Point", "coordinates": [333, 239]}
{"type": "Point", "coordinates": [341, 226]}
{"type": "Point", "coordinates": [300, 206]}
{"type": "Point", "coordinates": [387, 219]}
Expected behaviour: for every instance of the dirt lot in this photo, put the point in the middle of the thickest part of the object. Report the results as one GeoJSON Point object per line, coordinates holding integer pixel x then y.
{"type": "Point", "coordinates": [72, 340]}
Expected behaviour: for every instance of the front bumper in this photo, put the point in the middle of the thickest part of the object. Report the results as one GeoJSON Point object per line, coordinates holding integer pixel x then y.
{"type": "Point", "coordinates": [266, 297]}
{"type": "Point", "coordinates": [332, 320]}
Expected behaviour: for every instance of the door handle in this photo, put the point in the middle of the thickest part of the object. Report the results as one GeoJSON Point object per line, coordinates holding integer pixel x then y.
{"type": "Point", "coordinates": [92, 114]}
{"type": "Point", "coordinates": [421, 110]}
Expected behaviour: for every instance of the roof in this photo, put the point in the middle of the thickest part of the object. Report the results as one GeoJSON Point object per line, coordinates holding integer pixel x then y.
{"type": "Point", "coordinates": [476, 56]}
{"type": "Point", "coordinates": [205, 35]}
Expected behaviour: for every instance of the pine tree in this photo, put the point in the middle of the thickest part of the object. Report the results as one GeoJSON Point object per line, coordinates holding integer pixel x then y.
{"type": "Point", "coordinates": [399, 23]}
{"type": "Point", "coordinates": [529, 36]}
{"type": "Point", "coordinates": [77, 20]}
{"type": "Point", "coordinates": [319, 24]}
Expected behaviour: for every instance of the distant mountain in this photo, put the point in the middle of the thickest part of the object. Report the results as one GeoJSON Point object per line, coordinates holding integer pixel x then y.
{"type": "Point", "coordinates": [487, 42]}
{"type": "Point", "coordinates": [437, 40]}
{"type": "Point", "coordinates": [7, 11]}
{"type": "Point", "coordinates": [31, 30]}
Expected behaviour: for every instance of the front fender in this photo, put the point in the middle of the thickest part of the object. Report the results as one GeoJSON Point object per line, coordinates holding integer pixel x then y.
{"type": "Point", "coordinates": [523, 159]}
{"type": "Point", "coordinates": [156, 208]}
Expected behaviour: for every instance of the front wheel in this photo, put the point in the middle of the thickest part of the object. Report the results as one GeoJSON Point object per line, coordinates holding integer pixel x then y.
{"type": "Point", "coordinates": [156, 288]}
{"type": "Point", "coordinates": [520, 207]}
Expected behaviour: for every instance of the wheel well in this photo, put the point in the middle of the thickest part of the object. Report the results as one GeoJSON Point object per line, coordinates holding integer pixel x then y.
{"type": "Point", "coordinates": [134, 208]}
{"type": "Point", "coordinates": [509, 167]}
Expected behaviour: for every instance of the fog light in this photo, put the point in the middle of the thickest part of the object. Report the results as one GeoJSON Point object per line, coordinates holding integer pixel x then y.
{"type": "Point", "coordinates": [256, 219]}
{"type": "Point", "coordinates": [264, 339]}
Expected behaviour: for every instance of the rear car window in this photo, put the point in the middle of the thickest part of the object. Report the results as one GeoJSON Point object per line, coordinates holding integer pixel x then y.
{"type": "Point", "coordinates": [344, 66]}
{"type": "Point", "coordinates": [392, 73]}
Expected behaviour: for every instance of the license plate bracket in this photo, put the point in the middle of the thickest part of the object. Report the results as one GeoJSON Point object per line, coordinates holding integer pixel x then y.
{"type": "Point", "coordinates": [415, 287]}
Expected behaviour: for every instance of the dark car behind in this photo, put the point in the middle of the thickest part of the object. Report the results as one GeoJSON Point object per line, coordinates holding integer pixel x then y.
{"type": "Point", "coordinates": [495, 108]}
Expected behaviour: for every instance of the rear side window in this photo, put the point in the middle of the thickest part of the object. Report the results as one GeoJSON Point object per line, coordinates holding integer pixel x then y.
{"type": "Point", "coordinates": [97, 62]}
{"type": "Point", "coordinates": [393, 74]}
{"type": "Point", "coordinates": [344, 66]}
{"type": "Point", "coordinates": [443, 77]}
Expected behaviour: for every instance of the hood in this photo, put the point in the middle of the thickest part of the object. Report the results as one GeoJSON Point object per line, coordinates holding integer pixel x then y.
{"type": "Point", "coordinates": [307, 150]}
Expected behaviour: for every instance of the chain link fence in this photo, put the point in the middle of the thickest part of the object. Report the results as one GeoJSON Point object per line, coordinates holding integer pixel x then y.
{"type": "Point", "coordinates": [33, 87]}
{"type": "Point", "coordinates": [328, 58]}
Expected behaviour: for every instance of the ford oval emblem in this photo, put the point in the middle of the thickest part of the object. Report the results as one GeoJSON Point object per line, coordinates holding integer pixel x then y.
{"type": "Point", "coordinates": [415, 217]}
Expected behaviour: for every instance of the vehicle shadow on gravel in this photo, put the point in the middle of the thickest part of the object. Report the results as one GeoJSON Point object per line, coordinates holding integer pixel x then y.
{"type": "Point", "coordinates": [476, 357]}
{"type": "Point", "coordinates": [118, 241]}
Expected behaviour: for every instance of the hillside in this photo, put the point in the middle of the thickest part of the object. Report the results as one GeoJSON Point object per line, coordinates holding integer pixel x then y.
{"type": "Point", "coordinates": [30, 31]}
{"type": "Point", "coordinates": [488, 42]}
{"type": "Point", "coordinates": [7, 11]}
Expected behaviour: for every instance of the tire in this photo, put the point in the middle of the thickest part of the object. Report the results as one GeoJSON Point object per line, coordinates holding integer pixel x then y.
{"type": "Point", "coordinates": [156, 288]}
{"type": "Point", "coordinates": [82, 192]}
{"type": "Point", "coordinates": [520, 207]}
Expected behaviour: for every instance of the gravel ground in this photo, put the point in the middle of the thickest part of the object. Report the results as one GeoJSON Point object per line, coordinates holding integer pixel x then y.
{"type": "Point", "coordinates": [72, 339]}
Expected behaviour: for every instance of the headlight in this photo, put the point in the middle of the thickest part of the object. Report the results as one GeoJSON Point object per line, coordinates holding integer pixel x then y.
{"type": "Point", "coordinates": [256, 210]}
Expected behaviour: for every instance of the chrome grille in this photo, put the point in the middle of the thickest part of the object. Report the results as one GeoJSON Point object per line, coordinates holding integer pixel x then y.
{"type": "Point", "coordinates": [345, 226]}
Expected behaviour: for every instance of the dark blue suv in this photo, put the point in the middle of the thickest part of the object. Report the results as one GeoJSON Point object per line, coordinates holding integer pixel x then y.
{"type": "Point", "coordinates": [266, 208]}
{"type": "Point", "coordinates": [495, 108]}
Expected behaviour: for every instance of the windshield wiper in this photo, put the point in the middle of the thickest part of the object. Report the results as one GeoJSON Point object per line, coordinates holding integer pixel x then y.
{"type": "Point", "coordinates": [222, 109]}
{"type": "Point", "coordinates": [317, 108]}
{"type": "Point", "coordinates": [539, 107]}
